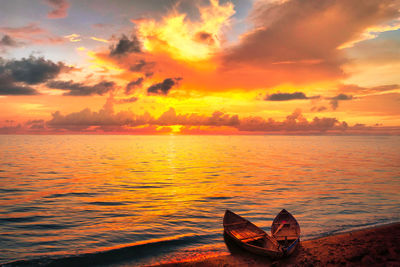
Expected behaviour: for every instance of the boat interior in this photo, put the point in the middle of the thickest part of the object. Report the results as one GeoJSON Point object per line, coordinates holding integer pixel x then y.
{"type": "Point", "coordinates": [286, 234]}
{"type": "Point", "coordinates": [246, 233]}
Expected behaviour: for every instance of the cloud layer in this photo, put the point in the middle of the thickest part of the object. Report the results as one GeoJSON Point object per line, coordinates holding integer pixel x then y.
{"type": "Point", "coordinates": [107, 118]}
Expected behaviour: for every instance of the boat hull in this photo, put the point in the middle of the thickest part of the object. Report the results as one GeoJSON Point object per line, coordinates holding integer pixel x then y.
{"type": "Point", "coordinates": [255, 249]}
{"type": "Point", "coordinates": [250, 237]}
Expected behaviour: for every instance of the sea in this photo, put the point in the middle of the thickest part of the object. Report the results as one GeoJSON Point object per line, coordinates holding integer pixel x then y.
{"type": "Point", "coordinates": [122, 200]}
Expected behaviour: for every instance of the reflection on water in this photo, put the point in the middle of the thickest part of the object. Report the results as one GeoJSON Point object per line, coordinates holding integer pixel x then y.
{"type": "Point", "coordinates": [162, 198]}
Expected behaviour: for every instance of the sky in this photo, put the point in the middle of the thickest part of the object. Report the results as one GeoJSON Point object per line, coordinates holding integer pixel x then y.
{"type": "Point", "coordinates": [200, 67]}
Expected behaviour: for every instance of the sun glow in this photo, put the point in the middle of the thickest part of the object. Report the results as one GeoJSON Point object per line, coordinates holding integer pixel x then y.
{"type": "Point", "coordinates": [183, 39]}
{"type": "Point", "coordinates": [170, 129]}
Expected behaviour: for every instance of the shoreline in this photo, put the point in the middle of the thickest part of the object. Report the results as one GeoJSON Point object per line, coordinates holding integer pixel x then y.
{"type": "Point", "coordinates": [377, 245]}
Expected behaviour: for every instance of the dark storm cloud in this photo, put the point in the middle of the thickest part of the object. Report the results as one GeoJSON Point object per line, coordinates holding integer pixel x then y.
{"type": "Point", "coordinates": [286, 96]}
{"type": "Point", "coordinates": [126, 45]}
{"type": "Point", "coordinates": [9, 87]}
{"type": "Point", "coordinates": [17, 75]}
{"type": "Point", "coordinates": [341, 97]}
{"type": "Point", "coordinates": [80, 89]}
{"type": "Point", "coordinates": [32, 70]}
{"type": "Point", "coordinates": [133, 84]}
{"type": "Point", "coordinates": [60, 8]}
{"type": "Point", "coordinates": [163, 87]}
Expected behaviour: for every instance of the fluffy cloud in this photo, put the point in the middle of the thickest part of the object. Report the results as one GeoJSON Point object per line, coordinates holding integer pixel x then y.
{"type": "Point", "coordinates": [81, 89]}
{"type": "Point", "coordinates": [60, 8]}
{"type": "Point", "coordinates": [126, 46]}
{"type": "Point", "coordinates": [106, 117]}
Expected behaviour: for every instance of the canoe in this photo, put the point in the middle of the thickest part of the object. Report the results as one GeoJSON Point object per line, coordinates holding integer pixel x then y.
{"type": "Point", "coordinates": [286, 230]}
{"type": "Point", "coordinates": [250, 237]}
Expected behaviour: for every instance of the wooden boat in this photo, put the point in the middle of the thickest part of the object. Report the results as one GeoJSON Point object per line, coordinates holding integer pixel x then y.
{"type": "Point", "coordinates": [250, 237]}
{"type": "Point", "coordinates": [286, 231]}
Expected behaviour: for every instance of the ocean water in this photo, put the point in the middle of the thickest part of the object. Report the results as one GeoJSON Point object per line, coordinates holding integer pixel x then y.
{"type": "Point", "coordinates": [138, 200]}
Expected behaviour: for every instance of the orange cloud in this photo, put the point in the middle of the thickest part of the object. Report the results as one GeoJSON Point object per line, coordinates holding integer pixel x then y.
{"type": "Point", "coordinates": [293, 42]}
{"type": "Point", "coordinates": [299, 40]}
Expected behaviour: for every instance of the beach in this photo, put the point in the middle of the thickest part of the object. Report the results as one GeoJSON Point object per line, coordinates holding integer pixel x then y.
{"type": "Point", "coordinates": [376, 246]}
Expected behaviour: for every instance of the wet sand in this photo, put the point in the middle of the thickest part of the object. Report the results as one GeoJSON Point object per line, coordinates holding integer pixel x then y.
{"type": "Point", "coordinates": [378, 246]}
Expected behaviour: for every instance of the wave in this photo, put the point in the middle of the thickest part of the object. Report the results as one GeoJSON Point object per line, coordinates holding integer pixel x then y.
{"type": "Point", "coordinates": [22, 219]}
{"type": "Point", "coordinates": [107, 203]}
{"type": "Point", "coordinates": [73, 194]}
{"type": "Point", "coordinates": [131, 253]}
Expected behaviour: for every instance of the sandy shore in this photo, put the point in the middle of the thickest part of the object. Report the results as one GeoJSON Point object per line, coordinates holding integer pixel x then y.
{"type": "Point", "coordinates": [378, 246]}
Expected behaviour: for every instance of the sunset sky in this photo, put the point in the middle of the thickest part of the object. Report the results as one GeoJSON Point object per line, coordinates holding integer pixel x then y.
{"type": "Point", "coordinates": [200, 67]}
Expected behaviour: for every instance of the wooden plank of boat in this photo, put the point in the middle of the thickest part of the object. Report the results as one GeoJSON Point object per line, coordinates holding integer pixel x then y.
{"type": "Point", "coordinates": [249, 236]}
{"type": "Point", "coordinates": [286, 230]}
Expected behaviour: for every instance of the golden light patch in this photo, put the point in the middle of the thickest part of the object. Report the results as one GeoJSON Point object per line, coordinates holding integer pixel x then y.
{"type": "Point", "coordinates": [100, 63]}
{"type": "Point", "coordinates": [99, 39]}
{"type": "Point", "coordinates": [170, 129]}
{"type": "Point", "coordinates": [186, 40]}
{"type": "Point", "coordinates": [73, 37]}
